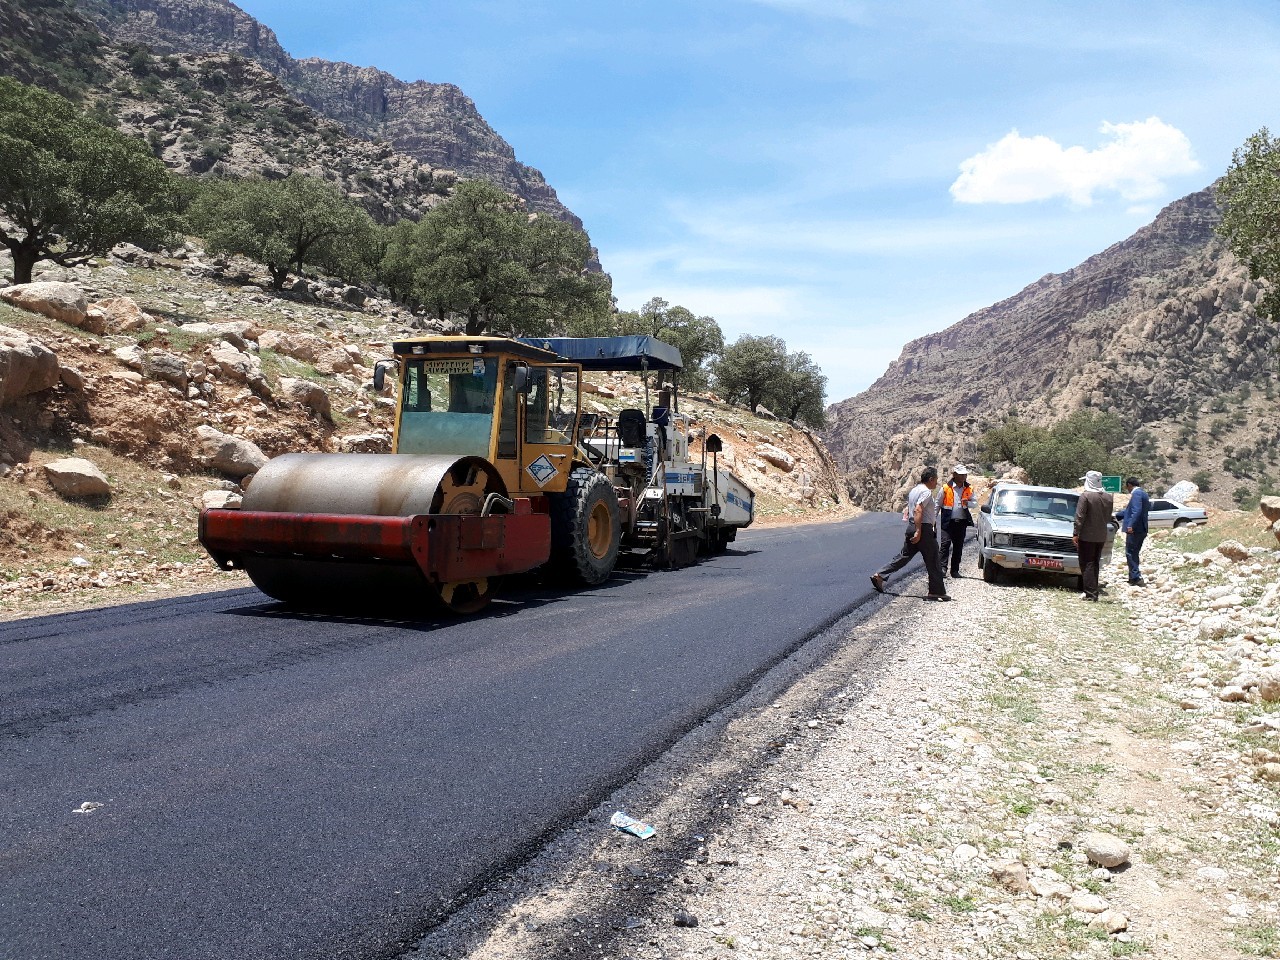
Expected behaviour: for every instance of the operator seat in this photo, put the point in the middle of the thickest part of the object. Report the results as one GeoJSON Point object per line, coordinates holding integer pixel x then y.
{"type": "Point", "coordinates": [631, 428]}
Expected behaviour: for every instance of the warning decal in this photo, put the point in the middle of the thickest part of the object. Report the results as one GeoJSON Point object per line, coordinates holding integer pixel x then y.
{"type": "Point", "coordinates": [541, 470]}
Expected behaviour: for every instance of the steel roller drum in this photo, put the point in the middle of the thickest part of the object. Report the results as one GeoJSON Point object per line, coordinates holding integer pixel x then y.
{"type": "Point", "coordinates": [366, 484]}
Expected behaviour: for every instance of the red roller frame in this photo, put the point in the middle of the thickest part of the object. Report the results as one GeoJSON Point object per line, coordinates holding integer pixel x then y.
{"type": "Point", "coordinates": [446, 547]}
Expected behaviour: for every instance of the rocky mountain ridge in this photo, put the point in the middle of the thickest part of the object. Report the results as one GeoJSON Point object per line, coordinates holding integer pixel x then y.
{"type": "Point", "coordinates": [434, 123]}
{"type": "Point", "coordinates": [1160, 328]}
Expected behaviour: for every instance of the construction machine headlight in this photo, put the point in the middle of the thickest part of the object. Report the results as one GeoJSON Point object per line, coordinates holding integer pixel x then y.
{"type": "Point", "coordinates": [1001, 539]}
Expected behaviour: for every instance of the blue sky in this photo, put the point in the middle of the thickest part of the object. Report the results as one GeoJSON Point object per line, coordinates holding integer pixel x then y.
{"type": "Point", "coordinates": [846, 175]}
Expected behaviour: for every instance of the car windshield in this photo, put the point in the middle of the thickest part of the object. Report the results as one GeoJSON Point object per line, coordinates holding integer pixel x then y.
{"type": "Point", "coordinates": [1045, 504]}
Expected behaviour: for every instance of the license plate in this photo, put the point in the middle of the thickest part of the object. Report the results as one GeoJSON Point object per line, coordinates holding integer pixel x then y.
{"type": "Point", "coordinates": [1044, 563]}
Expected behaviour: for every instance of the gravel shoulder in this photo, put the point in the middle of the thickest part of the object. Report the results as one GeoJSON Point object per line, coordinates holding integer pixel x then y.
{"type": "Point", "coordinates": [939, 780]}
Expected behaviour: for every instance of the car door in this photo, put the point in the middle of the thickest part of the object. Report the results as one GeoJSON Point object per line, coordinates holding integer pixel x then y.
{"type": "Point", "coordinates": [1163, 513]}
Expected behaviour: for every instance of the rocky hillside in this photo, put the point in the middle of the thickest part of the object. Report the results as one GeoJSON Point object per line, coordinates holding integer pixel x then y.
{"type": "Point", "coordinates": [1160, 329]}
{"type": "Point", "coordinates": [172, 375]}
{"type": "Point", "coordinates": [436, 124]}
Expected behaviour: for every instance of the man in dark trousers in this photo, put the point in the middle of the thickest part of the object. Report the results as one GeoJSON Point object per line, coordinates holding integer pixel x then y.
{"type": "Point", "coordinates": [954, 517]}
{"type": "Point", "coordinates": [1092, 527]}
{"type": "Point", "coordinates": [921, 537]}
{"type": "Point", "coordinates": [1134, 524]}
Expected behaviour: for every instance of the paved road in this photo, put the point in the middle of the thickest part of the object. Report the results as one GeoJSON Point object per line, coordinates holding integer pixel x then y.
{"type": "Point", "coordinates": [282, 786]}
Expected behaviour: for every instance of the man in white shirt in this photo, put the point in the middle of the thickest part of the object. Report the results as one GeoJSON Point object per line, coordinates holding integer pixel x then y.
{"type": "Point", "coordinates": [921, 537]}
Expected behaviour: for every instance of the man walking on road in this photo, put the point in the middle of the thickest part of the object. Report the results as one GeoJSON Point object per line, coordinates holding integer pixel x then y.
{"type": "Point", "coordinates": [1092, 527]}
{"type": "Point", "coordinates": [953, 507]}
{"type": "Point", "coordinates": [921, 537]}
{"type": "Point", "coordinates": [1134, 523]}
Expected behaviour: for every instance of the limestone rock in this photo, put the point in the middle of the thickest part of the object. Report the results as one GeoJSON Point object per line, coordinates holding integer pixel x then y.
{"type": "Point", "coordinates": [306, 347]}
{"type": "Point", "coordinates": [123, 314]}
{"type": "Point", "coordinates": [1269, 684]}
{"type": "Point", "coordinates": [1233, 550]}
{"type": "Point", "coordinates": [1184, 491]}
{"type": "Point", "coordinates": [233, 456]}
{"type": "Point", "coordinates": [76, 477]}
{"type": "Point", "coordinates": [234, 364]}
{"type": "Point", "coordinates": [54, 299]}
{"type": "Point", "coordinates": [220, 500]}
{"type": "Point", "coordinates": [310, 395]}
{"type": "Point", "coordinates": [1104, 849]}
{"type": "Point", "coordinates": [1112, 921]}
{"type": "Point", "coordinates": [777, 456]}
{"type": "Point", "coordinates": [365, 443]}
{"type": "Point", "coordinates": [168, 367]}
{"type": "Point", "coordinates": [131, 356]}
{"type": "Point", "coordinates": [1012, 875]}
{"type": "Point", "coordinates": [26, 365]}
{"type": "Point", "coordinates": [1270, 507]}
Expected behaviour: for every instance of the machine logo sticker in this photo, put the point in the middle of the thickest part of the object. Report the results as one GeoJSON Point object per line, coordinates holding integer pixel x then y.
{"type": "Point", "coordinates": [541, 470]}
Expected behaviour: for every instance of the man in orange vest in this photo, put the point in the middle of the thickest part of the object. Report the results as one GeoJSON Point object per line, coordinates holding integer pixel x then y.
{"type": "Point", "coordinates": [953, 509]}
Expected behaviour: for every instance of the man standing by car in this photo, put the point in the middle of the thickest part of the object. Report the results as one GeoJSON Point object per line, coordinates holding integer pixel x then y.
{"type": "Point", "coordinates": [1134, 523]}
{"type": "Point", "coordinates": [1092, 527]}
{"type": "Point", "coordinates": [953, 506]}
{"type": "Point", "coordinates": [921, 537]}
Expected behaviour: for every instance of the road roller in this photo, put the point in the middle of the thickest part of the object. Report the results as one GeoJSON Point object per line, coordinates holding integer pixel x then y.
{"type": "Point", "coordinates": [495, 470]}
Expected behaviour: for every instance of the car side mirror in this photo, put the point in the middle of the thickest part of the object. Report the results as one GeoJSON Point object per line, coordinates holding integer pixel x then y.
{"type": "Point", "coordinates": [380, 374]}
{"type": "Point", "coordinates": [985, 508]}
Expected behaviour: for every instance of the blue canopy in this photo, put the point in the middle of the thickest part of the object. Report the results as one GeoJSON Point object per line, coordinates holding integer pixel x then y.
{"type": "Point", "coordinates": [612, 353]}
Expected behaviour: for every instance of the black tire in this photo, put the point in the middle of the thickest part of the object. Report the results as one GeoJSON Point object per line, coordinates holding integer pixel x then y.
{"type": "Point", "coordinates": [1181, 522]}
{"type": "Point", "coordinates": [586, 529]}
{"type": "Point", "coordinates": [982, 558]}
{"type": "Point", "coordinates": [990, 572]}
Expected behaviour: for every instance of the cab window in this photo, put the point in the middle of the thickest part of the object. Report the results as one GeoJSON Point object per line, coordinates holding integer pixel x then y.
{"type": "Point", "coordinates": [551, 405]}
{"type": "Point", "coordinates": [447, 405]}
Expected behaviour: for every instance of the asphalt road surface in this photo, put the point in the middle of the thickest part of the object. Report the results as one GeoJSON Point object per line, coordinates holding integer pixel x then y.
{"type": "Point", "coordinates": [216, 777]}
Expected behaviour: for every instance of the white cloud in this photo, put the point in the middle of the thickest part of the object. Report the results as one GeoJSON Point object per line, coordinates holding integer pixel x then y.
{"type": "Point", "coordinates": [1133, 162]}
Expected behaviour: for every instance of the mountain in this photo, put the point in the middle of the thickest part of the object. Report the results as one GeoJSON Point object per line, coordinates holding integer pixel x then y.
{"type": "Point", "coordinates": [1160, 329]}
{"type": "Point", "coordinates": [434, 123]}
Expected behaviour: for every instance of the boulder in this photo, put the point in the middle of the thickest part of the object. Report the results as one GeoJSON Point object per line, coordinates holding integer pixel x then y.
{"type": "Point", "coordinates": [71, 378]}
{"type": "Point", "coordinates": [234, 364]}
{"type": "Point", "coordinates": [354, 296]}
{"type": "Point", "coordinates": [59, 301]}
{"type": "Point", "coordinates": [1269, 685]}
{"type": "Point", "coordinates": [76, 477]}
{"type": "Point", "coordinates": [310, 395]}
{"type": "Point", "coordinates": [131, 356]}
{"type": "Point", "coordinates": [240, 330]}
{"type": "Point", "coordinates": [1270, 507]}
{"type": "Point", "coordinates": [123, 314]}
{"type": "Point", "coordinates": [365, 443]}
{"type": "Point", "coordinates": [220, 500]}
{"type": "Point", "coordinates": [765, 412]}
{"type": "Point", "coordinates": [168, 367]}
{"type": "Point", "coordinates": [777, 456]}
{"type": "Point", "coordinates": [233, 456]}
{"type": "Point", "coordinates": [1104, 849]}
{"type": "Point", "coordinates": [1234, 550]}
{"type": "Point", "coordinates": [1016, 475]}
{"type": "Point", "coordinates": [26, 365]}
{"type": "Point", "coordinates": [334, 360]}
{"type": "Point", "coordinates": [306, 347]}
{"type": "Point", "coordinates": [1184, 491]}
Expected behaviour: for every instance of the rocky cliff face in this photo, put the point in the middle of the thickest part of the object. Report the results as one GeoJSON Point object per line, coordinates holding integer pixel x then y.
{"type": "Point", "coordinates": [434, 123]}
{"type": "Point", "coordinates": [1160, 328]}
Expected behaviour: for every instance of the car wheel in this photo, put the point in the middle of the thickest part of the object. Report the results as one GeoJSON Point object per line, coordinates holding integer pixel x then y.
{"type": "Point", "coordinates": [982, 558]}
{"type": "Point", "coordinates": [1181, 522]}
{"type": "Point", "coordinates": [990, 572]}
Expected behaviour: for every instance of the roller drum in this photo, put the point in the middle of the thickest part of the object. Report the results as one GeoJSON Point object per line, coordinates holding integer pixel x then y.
{"type": "Point", "coordinates": [366, 484]}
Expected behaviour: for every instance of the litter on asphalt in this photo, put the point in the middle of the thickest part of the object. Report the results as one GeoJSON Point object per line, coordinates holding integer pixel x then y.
{"type": "Point", "coordinates": [632, 826]}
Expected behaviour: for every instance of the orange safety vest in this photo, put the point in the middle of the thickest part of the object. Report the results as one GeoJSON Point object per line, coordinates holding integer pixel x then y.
{"type": "Point", "coordinates": [949, 495]}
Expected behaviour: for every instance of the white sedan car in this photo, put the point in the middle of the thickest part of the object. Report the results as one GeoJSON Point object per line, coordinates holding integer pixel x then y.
{"type": "Point", "coordinates": [1171, 513]}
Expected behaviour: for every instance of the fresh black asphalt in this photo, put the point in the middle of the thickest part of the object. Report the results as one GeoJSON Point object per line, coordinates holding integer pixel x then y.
{"type": "Point", "coordinates": [275, 785]}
